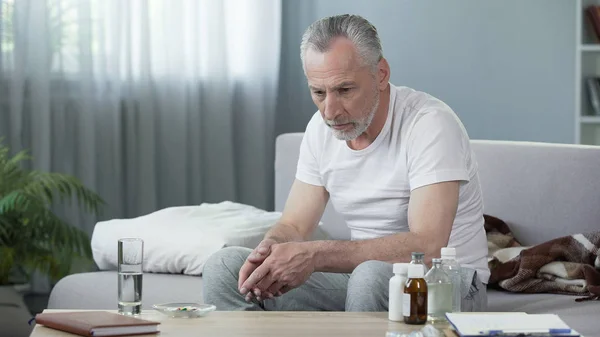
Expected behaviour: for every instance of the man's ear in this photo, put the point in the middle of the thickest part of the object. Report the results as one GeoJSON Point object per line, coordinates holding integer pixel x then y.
{"type": "Point", "coordinates": [383, 72]}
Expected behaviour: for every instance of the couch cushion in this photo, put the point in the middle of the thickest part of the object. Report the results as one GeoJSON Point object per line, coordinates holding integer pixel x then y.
{"type": "Point", "coordinates": [98, 290]}
{"type": "Point", "coordinates": [581, 316]}
{"type": "Point", "coordinates": [541, 190]}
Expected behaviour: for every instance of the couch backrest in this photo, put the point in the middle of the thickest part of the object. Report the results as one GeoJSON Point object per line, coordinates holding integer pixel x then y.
{"type": "Point", "coordinates": [541, 190]}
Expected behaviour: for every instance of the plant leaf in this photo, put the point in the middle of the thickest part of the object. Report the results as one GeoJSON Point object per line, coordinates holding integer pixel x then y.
{"type": "Point", "coordinates": [32, 236]}
{"type": "Point", "coordinates": [5, 226]}
{"type": "Point", "coordinates": [43, 183]}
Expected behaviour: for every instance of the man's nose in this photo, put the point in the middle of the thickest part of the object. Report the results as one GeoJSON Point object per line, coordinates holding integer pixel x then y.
{"type": "Point", "coordinates": [332, 107]}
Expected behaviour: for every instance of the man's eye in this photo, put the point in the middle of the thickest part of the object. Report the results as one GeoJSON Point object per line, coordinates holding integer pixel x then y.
{"type": "Point", "coordinates": [318, 93]}
{"type": "Point", "coordinates": [345, 90]}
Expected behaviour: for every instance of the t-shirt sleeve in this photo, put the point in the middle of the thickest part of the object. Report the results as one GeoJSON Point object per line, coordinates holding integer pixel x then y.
{"type": "Point", "coordinates": [308, 161]}
{"type": "Point", "coordinates": [436, 149]}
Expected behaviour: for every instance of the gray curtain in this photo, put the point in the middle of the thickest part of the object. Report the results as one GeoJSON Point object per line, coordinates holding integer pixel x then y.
{"type": "Point", "coordinates": [150, 103]}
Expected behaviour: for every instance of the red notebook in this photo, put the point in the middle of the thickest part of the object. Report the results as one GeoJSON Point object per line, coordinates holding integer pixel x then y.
{"type": "Point", "coordinates": [96, 323]}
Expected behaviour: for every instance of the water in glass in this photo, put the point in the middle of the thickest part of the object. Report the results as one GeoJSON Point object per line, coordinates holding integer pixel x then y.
{"type": "Point", "coordinates": [130, 276]}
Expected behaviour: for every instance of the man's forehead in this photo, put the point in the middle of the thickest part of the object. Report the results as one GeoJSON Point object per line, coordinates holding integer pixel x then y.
{"type": "Point", "coordinates": [332, 69]}
{"type": "Point", "coordinates": [332, 77]}
{"type": "Point", "coordinates": [341, 55]}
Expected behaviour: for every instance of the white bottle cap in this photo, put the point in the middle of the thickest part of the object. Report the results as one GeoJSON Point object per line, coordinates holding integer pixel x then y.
{"type": "Point", "coordinates": [448, 252]}
{"type": "Point", "coordinates": [401, 268]}
{"type": "Point", "coordinates": [415, 271]}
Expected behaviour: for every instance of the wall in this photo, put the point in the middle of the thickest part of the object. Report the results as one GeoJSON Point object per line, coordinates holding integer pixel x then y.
{"type": "Point", "coordinates": [505, 67]}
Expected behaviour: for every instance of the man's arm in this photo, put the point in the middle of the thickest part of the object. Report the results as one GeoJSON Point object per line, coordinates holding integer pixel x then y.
{"type": "Point", "coordinates": [431, 213]}
{"type": "Point", "coordinates": [303, 209]}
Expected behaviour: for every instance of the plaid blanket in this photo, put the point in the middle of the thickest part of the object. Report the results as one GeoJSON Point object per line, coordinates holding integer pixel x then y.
{"type": "Point", "coordinates": [566, 265]}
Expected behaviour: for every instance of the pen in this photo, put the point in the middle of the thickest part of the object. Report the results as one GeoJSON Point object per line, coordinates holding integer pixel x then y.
{"type": "Point", "coordinates": [536, 332]}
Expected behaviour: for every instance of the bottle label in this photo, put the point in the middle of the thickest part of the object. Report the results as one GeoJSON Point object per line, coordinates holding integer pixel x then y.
{"type": "Point", "coordinates": [406, 305]}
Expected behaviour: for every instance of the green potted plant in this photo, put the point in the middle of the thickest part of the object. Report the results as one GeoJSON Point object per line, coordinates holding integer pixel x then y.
{"type": "Point", "coordinates": [32, 236]}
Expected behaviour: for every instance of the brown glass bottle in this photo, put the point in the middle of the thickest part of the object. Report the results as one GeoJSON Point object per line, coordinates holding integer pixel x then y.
{"type": "Point", "coordinates": [414, 304]}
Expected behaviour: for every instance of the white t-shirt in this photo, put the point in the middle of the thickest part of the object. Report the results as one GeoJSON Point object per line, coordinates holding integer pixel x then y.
{"type": "Point", "coordinates": [422, 142]}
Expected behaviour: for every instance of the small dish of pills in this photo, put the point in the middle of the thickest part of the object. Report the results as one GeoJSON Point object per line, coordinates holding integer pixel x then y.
{"type": "Point", "coordinates": [184, 310]}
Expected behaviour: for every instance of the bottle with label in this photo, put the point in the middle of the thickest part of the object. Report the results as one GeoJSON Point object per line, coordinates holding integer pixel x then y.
{"type": "Point", "coordinates": [414, 304]}
{"type": "Point", "coordinates": [419, 258]}
{"type": "Point", "coordinates": [439, 293]}
{"type": "Point", "coordinates": [451, 266]}
{"type": "Point", "coordinates": [397, 283]}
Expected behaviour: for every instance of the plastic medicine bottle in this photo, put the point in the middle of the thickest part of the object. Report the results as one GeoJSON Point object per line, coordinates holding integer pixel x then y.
{"type": "Point", "coordinates": [397, 283]}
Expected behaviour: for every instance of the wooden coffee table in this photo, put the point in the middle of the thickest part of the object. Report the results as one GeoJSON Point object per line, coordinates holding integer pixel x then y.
{"type": "Point", "coordinates": [262, 324]}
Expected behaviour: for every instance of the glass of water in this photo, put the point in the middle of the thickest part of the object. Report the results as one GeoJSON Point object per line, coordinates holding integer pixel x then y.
{"type": "Point", "coordinates": [131, 258]}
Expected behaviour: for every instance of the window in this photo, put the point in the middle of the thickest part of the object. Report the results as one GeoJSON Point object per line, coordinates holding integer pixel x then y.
{"type": "Point", "coordinates": [131, 38]}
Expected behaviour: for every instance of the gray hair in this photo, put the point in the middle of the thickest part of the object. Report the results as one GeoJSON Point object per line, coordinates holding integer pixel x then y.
{"type": "Point", "coordinates": [353, 27]}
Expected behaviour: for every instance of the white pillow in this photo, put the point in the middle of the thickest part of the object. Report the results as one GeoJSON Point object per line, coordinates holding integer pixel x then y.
{"type": "Point", "coordinates": [180, 239]}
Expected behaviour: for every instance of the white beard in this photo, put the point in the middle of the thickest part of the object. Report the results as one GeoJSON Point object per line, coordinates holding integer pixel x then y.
{"type": "Point", "coordinates": [360, 126]}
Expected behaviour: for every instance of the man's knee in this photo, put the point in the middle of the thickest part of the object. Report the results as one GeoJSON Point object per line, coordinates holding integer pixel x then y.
{"type": "Point", "coordinates": [369, 271]}
{"type": "Point", "coordinates": [220, 279]}
{"type": "Point", "coordinates": [368, 287]}
{"type": "Point", "coordinates": [224, 264]}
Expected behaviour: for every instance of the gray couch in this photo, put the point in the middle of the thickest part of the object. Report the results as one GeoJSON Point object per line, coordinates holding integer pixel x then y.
{"type": "Point", "coordinates": [542, 191]}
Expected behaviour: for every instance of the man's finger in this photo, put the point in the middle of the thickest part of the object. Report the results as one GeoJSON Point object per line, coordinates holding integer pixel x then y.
{"type": "Point", "coordinates": [258, 294]}
{"type": "Point", "coordinates": [261, 252]}
{"type": "Point", "coordinates": [263, 285]}
{"type": "Point", "coordinates": [245, 272]}
{"type": "Point", "coordinates": [263, 248]}
{"type": "Point", "coordinates": [275, 287]}
{"type": "Point", "coordinates": [256, 257]}
{"type": "Point", "coordinates": [257, 275]}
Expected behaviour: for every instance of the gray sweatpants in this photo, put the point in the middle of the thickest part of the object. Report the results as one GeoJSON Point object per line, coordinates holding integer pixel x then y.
{"type": "Point", "coordinates": [365, 289]}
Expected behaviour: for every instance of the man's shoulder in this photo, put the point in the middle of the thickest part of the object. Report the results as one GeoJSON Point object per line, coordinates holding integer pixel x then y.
{"type": "Point", "coordinates": [411, 100]}
{"type": "Point", "coordinates": [413, 105]}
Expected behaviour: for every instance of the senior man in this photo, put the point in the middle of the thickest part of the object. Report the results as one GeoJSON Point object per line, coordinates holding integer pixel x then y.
{"type": "Point", "coordinates": [397, 165]}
